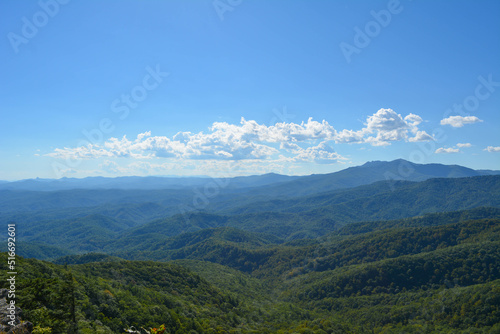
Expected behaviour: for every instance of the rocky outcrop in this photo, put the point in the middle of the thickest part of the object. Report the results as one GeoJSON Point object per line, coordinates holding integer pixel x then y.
{"type": "Point", "coordinates": [10, 317]}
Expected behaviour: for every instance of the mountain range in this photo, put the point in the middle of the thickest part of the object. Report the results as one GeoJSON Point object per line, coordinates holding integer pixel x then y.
{"type": "Point", "coordinates": [350, 177]}
{"type": "Point", "coordinates": [384, 247]}
{"type": "Point", "coordinates": [82, 220]}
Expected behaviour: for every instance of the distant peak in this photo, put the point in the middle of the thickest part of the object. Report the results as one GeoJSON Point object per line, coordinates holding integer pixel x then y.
{"type": "Point", "coordinates": [379, 162]}
{"type": "Point", "coordinates": [373, 163]}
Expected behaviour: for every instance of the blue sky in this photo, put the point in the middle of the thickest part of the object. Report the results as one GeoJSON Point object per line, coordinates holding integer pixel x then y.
{"type": "Point", "coordinates": [237, 87]}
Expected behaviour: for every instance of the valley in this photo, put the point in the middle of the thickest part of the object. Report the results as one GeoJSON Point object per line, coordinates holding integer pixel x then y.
{"type": "Point", "coordinates": [349, 252]}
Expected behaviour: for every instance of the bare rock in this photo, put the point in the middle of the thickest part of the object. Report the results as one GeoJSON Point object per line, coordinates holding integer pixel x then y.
{"type": "Point", "coordinates": [10, 317]}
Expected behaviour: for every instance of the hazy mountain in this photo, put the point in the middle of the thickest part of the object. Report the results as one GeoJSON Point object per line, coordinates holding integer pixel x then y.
{"type": "Point", "coordinates": [291, 219]}
{"type": "Point", "coordinates": [378, 254]}
{"type": "Point", "coordinates": [142, 183]}
{"type": "Point", "coordinates": [22, 200]}
{"type": "Point", "coordinates": [267, 184]}
{"type": "Point", "coordinates": [368, 173]}
{"type": "Point", "coordinates": [438, 193]}
{"type": "Point", "coordinates": [313, 216]}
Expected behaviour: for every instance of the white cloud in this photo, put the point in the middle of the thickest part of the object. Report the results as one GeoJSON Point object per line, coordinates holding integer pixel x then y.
{"type": "Point", "coordinates": [386, 126]}
{"type": "Point", "coordinates": [349, 136]}
{"type": "Point", "coordinates": [250, 140]}
{"type": "Point", "coordinates": [447, 150]}
{"type": "Point", "coordinates": [111, 167]}
{"type": "Point", "coordinates": [414, 119]}
{"type": "Point", "coordinates": [420, 136]}
{"type": "Point", "coordinates": [492, 149]}
{"type": "Point", "coordinates": [459, 121]}
{"type": "Point", "coordinates": [82, 152]}
{"type": "Point", "coordinates": [215, 168]}
{"type": "Point", "coordinates": [386, 120]}
{"type": "Point", "coordinates": [322, 153]}
{"type": "Point", "coordinates": [280, 132]}
{"type": "Point", "coordinates": [454, 149]}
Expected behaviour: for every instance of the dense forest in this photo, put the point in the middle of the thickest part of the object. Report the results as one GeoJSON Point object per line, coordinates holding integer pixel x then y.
{"type": "Point", "coordinates": [413, 276]}
{"type": "Point", "coordinates": [386, 257]}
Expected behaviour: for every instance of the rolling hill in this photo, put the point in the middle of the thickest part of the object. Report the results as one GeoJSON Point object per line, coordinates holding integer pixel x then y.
{"type": "Point", "coordinates": [365, 174]}
{"type": "Point", "coordinates": [387, 247]}
{"type": "Point", "coordinates": [439, 272]}
{"type": "Point", "coordinates": [292, 219]}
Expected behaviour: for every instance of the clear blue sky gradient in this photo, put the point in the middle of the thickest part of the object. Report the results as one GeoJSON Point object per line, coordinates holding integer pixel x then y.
{"type": "Point", "coordinates": [232, 59]}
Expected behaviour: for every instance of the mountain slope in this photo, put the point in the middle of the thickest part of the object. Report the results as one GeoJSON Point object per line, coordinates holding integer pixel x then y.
{"type": "Point", "coordinates": [32, 201]}
{"type": "Point", "coordinates": [66, 192]}
{"type": "Point", "coordinates": [438, 194]}
{"type": "Point", "coordinates": [84, 234]}
{"type": "Point", "coordinates": [109, 297]}
{"type": "Point", "coordinates": [313, 217]}
{"type": "Point", "coordinates": [440, 270]}
{"type": "Point", "coordinates": [368, 173]}
{"type": "Point", "coordinates": [140, 183]}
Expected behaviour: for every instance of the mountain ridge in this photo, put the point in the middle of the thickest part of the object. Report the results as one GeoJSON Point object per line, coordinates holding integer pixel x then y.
{"type": "Point", "coordinates": [366, 173]}
{"type": "Point", "coordinates": [299, 218]}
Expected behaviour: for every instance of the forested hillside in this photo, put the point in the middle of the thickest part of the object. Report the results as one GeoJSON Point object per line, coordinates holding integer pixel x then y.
{"type": "Point", "coordinates": [394, 256]}
{"type": "Point", "coordinates": [124, 230]}
{"type": "Point", "coordinates": [438, 274]}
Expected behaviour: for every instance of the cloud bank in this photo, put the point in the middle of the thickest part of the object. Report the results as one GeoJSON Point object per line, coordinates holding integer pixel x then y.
{"type": "Point", "coordinates": [447, 150]}
{"type": "Point", "coordinates": [492, 149]}
{"type": "Point", "coordinates": [460, 121]}
{"type": "Point", "coordinates": [309, 141]}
